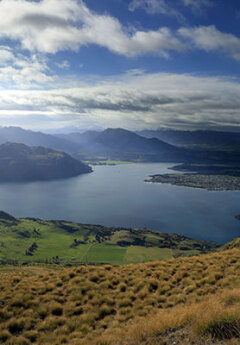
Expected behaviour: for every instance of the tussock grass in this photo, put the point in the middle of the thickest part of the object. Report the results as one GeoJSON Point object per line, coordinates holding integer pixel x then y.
{"type": "Point", "coordinates": [195, 300]}
{"type": "Point", "coordinates": [218, 322]}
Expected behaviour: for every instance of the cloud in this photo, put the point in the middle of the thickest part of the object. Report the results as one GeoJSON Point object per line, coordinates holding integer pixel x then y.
{"type": "Point", "coordinates": [63, 65]}
{"type": "Point", "coordinates": [5, 55]}
{"type": "Point", "coordinates": [17, 70]}
{"type": "Point", "coordinates": [49, 26]}
{"type": "Point", "coordinates": [156, 7]}
{"type": "Point", "coordinates": [133, 101]}
{"type": "Point", "coordinates": [208, 38]}
{"type": "Point", "coordinates": [169, 8]}
{"type": "Point", "coordinates": [197, 5]}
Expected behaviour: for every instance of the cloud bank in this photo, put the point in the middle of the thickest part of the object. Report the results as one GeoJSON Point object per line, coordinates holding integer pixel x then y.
{"type": "Point", "coordinates": [134, 102]}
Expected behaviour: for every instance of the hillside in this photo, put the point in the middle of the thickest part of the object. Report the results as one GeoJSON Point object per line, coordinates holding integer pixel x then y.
{"type": "Point", "coordinates": [23, 163]}
{"type": "Point", "coordinates": [190, 301]}
{"type": "Point", "coordinates": [37, 240]}
{"type": "Point", "coordinates": [231, 245]}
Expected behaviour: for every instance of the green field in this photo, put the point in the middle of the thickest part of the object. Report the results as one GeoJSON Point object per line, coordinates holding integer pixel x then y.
{"type": "Point", "coordinates": [63, 242]}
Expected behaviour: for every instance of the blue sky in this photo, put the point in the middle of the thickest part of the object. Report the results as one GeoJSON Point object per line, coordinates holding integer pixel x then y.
{"type": "Point", "coordinates": [120, 63]}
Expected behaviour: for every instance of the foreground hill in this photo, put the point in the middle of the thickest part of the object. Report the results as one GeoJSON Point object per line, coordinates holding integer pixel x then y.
{"type": "Point", "coordinates": [190, 301]}
{"type": "Point", "coordinates": [66, 242]}
{"type": "Point", "coordinates": [23, 163]}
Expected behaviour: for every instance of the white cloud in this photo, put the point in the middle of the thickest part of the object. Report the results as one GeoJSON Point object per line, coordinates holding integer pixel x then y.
{"type": "Point", "coordinates": [208, 38]}
{"type": "Point", "coordinates": [17, 70]}
{"type": "Point", "coordinates": [197, 5]}
{"type": "Point", "coordinates": [63, 65]}
{"type": "Point", "coordinates": [49, 26]}
{"type": "Point", "coordinates": [169, 7]}
{"type": "Point", "coordinates": [156, 7]}
{"type": "Point", "coordinates": [5, 55]}
{"type": "Point", "coordinates": [133, 101]}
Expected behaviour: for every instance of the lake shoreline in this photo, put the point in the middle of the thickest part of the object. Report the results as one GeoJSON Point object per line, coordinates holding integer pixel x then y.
{"type": "Point", "coordinates": [202, 181]}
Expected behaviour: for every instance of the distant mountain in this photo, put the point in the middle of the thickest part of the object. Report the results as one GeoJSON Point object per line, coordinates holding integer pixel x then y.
{"type": "Point", "coordinates": [31, 138]}
{"type": "Point", "coordinates": [19, 162]}
{"type": "Point", "coordinates": [201, 137]}
{"type": "Point", "coordinates": [122, 144]}
{"type": "Point", "coordinates": [110, 143]}
{"type": "Point", "coordinates": [70, 129]}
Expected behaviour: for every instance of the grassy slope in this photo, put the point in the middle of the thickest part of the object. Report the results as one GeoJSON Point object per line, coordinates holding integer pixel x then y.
{"type": "Point", "coordinates": [96, 244]}
{"type": "Point", "coordinates": [175, 301]}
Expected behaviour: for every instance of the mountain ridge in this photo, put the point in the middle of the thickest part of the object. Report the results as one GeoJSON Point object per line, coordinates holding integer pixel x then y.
{"type": "Point", "coordinates": [32, 138]}
{"type": "Point", "coordinates": [196, 137]}
{"type": "Point", "coordinates": [124, 144]}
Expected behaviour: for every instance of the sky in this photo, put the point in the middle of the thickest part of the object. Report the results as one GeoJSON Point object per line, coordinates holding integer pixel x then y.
{"type": "Point", "coordinates": [136, 64]}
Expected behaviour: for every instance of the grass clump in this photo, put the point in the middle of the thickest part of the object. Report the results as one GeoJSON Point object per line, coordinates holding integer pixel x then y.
{"type": "Point", "coordinates": [15, 326]}
{"type": "Point", "coordinates": [219, 323]}
{"type": "Point", "coordinates": [56, 309]}
{"type": "Point", "coordinates": [4, 336]}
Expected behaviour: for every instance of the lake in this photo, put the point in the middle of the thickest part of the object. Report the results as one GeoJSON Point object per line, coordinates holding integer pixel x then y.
{"type": "Point", "coordinates": [118, 196]}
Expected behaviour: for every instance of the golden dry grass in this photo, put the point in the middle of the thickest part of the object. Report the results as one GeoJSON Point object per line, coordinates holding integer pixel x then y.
{"type": "Point", "coordinates": [183, 301]}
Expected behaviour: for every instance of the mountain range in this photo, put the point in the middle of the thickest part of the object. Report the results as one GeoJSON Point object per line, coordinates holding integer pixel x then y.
{"type": "Point", "coordinates": [110, 144]}
{"type": "Point", "coordinates": [122, 144]}
{"type": "Point", "coordinates": [146, 146]}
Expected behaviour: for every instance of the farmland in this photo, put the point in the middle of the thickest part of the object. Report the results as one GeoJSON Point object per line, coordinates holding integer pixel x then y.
{"type": "Point", "coordinates": [31, 240]}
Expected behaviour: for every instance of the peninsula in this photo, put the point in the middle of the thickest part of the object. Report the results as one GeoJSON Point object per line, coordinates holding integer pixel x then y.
{"type": "Point", "coordinates": [22, 163]}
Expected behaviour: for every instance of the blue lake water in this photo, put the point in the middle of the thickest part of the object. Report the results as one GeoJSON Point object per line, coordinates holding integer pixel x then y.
{"type": "Point", "coordinates": [118, 196]}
